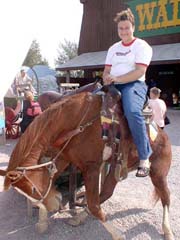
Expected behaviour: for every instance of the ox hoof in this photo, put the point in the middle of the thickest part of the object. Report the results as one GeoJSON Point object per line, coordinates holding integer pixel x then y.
{"type": "Point", "coordinates": [169, 236]}
{"type": "Point", "coordinates": [118, 237]}
{"type": "Point", "coordinates": [78, 219]}
{"type": "Point", "coordinates": [41, 227]}
{"type": "Point", "coordinates": [74, 222]}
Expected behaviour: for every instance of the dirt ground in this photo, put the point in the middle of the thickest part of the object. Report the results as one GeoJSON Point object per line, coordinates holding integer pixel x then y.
{"type": "Point", "coordinates": [129, 209]}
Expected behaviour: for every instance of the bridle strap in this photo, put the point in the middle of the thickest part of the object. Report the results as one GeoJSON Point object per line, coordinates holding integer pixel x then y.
{"type": "Point", "coordinates": [34, 167]}
{"type": "Point", "coordinates": [62, 139]}
{"type": "Point", "coordinates": [24, 169]}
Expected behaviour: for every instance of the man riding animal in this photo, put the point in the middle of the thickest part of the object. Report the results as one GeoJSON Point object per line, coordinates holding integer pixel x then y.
{"type": "Point", "coordinates": [84, 149]}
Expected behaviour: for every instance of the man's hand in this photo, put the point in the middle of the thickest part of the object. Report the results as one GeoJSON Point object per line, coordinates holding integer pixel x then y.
{"type": "Point", "coordinates": [107, 79]}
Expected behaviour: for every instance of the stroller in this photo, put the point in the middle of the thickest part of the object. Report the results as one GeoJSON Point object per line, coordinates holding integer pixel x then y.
{"type": "Point", "coordinates": [12, 121]}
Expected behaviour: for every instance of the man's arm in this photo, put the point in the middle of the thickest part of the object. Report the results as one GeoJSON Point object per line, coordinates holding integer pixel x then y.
{"type": "Point", "coordinates": [106, 75]}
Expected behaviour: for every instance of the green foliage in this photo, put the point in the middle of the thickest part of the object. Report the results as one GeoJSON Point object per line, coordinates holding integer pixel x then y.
{"type": "Point", "coordinates": [34, 56]}
{"type": "Point", "coordinates": [66, 51]}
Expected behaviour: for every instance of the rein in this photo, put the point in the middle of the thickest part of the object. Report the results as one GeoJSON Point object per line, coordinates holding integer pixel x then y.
{"type": "Point", "coordinates": [51, 164]}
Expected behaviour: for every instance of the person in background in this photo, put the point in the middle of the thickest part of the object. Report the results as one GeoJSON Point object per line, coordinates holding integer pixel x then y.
{"type": "Point", "coordinates": [31, 109]}
{"type": "Point", "coordinates": [158, 107]}
{"type": "Point", "coordinates": [125, 67]}
{"type": "Point", "coordinates": [23, 82]}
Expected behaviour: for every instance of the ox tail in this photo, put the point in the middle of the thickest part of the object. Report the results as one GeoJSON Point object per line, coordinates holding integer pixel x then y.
{"type": "Point", "coordinates": [155, 197]}
{"type": "Point", "coordinates": [2, 172]}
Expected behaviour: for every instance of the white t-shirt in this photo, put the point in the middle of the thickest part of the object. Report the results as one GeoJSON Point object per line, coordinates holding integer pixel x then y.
{"type": "Point", "coordinates": [23, 80]}
{"type": "Point", "coordinates": [159, 109]}
{"type": "Point", "coordinates": [19, 80]}
{"type": "Point", "coordinates": [123, 57]}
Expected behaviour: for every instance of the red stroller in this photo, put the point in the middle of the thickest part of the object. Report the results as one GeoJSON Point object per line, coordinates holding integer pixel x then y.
{"type": "Point", "coordinates": [12, 121]}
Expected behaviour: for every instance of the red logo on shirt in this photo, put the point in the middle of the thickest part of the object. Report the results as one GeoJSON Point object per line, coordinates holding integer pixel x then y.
{"type": "Point", "coordinates": [122, 53]}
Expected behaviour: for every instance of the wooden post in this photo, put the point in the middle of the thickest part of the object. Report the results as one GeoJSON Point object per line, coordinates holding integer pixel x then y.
{"type": "Point", "coordinates": [68, 77]}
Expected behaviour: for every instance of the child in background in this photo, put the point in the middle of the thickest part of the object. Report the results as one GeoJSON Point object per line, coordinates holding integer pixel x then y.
{"type": "Point", "coordinates": [31, 109]}
{"type": "Point", "coordinates": [158, 107]}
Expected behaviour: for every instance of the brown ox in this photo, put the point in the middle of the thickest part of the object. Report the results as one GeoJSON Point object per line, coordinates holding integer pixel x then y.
{"type": "Point", "coordinates": [73, 127]}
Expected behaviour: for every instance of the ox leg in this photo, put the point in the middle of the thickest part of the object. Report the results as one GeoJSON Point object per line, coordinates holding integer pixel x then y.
{"type": "Point", "coordinates": [115, 233]}
{"type": "Point", "coordinates": [42, 224]}
{"type": "Point", "coordinates": [29, 208]}
{"type": "Point", "coordinates": [91, 178]}
{"type": "Point", "coordinates": [166, 225]}
{"type": "Point", "coordinates": [109, 185]}
{"type": "Point", "coordinates": [162, 191]}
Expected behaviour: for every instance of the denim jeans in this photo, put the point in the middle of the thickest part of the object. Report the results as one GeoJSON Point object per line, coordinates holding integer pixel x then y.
{"type": "Point", "coordinates": [133, 97]}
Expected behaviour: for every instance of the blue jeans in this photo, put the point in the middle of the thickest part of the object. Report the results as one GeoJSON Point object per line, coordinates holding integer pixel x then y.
{"type": "Point", "coordinates": [133, 97]}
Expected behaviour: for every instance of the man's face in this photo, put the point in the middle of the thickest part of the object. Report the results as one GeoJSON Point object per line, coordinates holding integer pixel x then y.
{"type": "Point", "coordinates": [125, 31]}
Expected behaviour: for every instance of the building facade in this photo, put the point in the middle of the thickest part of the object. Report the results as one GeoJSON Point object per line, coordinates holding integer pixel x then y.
{"type": "Point", "coordinates": [157, 22]}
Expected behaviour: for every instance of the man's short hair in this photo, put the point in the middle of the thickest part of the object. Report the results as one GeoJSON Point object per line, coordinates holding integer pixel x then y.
{"type": "Point", "coordinates": [155, 90]}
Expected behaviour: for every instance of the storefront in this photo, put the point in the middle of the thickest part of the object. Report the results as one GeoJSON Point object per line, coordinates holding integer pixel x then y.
{"type": "Point", "coordinates": [158, 22]}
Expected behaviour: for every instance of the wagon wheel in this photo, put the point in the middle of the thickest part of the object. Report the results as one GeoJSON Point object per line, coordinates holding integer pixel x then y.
{"type": "Point", "coordinates": [12, 131]}
{"type": "Point", "coordinates": [12, 128]}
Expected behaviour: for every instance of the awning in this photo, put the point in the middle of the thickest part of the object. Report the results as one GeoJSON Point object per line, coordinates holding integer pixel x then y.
{"type": "Point", "coordinates": [165, 52]}
{"type": "Point", "coordinates": [85, 61]}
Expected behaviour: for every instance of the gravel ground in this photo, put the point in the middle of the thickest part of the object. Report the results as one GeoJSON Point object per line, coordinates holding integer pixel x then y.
{"type": "Point", "coordinates": [129, 209]}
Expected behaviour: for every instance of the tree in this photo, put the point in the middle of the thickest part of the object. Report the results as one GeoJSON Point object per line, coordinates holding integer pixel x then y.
{"type": "Point", "coordinates": [66, 51]}
{"type": "Point", "coordinates": [34, 56]}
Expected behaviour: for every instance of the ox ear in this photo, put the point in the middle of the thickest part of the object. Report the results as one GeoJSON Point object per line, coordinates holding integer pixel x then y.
{"type": "Point", "coordinates": [2, 172]}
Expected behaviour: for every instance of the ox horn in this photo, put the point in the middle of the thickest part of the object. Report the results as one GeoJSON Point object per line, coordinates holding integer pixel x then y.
{"type": "Point", "coordinates": [2, 172]}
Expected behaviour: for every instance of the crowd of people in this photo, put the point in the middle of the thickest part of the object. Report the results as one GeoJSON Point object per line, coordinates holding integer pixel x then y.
{"type": "Point", "coordinates": [27, 108]}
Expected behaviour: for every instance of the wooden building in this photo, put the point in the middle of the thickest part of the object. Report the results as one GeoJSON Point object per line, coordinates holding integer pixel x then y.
{"type": "Point", "coordinates": [158, 22]}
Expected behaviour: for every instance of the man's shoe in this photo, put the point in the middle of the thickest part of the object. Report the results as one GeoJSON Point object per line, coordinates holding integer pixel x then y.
{"type": "Point", "coordinates": [143, 172]}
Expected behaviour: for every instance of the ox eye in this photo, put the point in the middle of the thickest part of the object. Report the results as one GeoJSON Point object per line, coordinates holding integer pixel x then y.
{"type": "Point", "coordinates": [33, 190]}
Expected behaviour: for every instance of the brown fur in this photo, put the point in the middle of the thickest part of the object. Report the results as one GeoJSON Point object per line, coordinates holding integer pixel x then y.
{"type": "Point", "coordinates": [84, 150]}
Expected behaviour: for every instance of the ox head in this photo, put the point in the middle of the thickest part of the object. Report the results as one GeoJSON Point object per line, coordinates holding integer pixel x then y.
{"type": "Point", "coordinates": [36, 185]}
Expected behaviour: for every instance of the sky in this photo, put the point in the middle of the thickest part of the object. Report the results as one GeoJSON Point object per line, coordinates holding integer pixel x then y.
{"type": "Point", "coordinates": [22, 21]}
{"type": "Point", "coordinates": [62, 20]}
